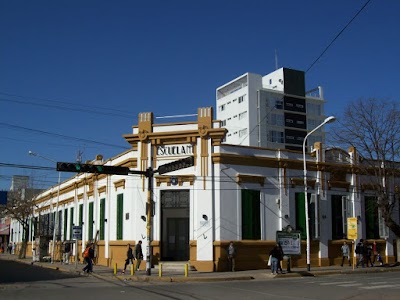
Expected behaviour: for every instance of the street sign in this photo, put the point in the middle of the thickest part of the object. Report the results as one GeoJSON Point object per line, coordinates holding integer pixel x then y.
{"type": "Point", "coordinates": [77, 232]}
{"type": "Point", "coordinates": [290, 242]}
{"type": "Point", "coordinates": [352, 228]}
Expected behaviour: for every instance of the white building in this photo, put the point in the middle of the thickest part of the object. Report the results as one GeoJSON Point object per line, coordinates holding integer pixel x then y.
{"type": "Point", "coordinates": [272, 111]}
{"type": "Point", "coordinates": [231, 193]}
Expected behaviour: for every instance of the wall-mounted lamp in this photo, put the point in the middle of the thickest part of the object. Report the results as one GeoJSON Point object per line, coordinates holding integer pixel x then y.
{"type": "Point", "coordinates": [324, 217]}
{"type": "Point", "coordinates": [143, 218]}
{"type": "Point", "coordinates": [105, 220]}
{"type": "Point", "coordinates": [93, 221]}
{"type": "Point", "coordinates": [205, 217]}
{"type": "Point", "coordinates": [286, 216]}
{"type": "Point", "coordinates": [83, 223]}
{"type": "Point", "coordinates": [278, 202]}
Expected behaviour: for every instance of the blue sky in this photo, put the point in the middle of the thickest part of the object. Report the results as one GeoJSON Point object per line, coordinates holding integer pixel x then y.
{"type": "Point", "coordinates": [75, 74]}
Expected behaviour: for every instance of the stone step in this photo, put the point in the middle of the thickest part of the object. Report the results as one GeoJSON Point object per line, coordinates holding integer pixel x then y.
{"type": "Point", "coordinates": [174, 265]}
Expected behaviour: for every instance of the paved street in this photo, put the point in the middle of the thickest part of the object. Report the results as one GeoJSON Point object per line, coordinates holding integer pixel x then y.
{"type": "Point", "coordinates": [24, 281]}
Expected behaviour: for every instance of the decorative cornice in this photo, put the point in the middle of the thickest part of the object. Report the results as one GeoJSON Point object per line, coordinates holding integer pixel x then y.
{"type": "Point", "coordinates": [300, 181]}
{"type": "Point", "coordinates": [338, 184]}
{"type": "Point", "coordinates": [102, 189]}
{"type": "Point", "coordinates": [119, 183]}
{"type": "Point", "coordinates": [247, 178]}
{"type": "Point", "coordinates": [180, 178]}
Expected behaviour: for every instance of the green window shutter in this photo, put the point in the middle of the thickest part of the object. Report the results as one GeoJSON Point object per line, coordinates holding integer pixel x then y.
{"type": "Point", "coordinates": [65, 223]}
{"type": "Point", "coordinates": [301, 215]}
{"type": "Point", "coordinates": [90, 228]}
{"type": "Point", "coordinates": [102, 217]}
{"type": "Point", "coordinates": [337, 218]}
{"type": "Point", "coordinates": [120, 213]}
{"type": "Point", "coordinates": [71, 222]}
{"type": "Point", "coordinates": [371, 218]}
{"type": "Point", "coordinates": [251, 220]}
{"type": "Point", "coordinates": [80, 214]}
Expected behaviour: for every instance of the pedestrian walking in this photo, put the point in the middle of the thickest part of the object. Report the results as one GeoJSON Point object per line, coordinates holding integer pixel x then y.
{"type": "Point", "coordinates": [9, 247]}
{"type": "Point", "coordinates": [280, 259]}
{"type": "Point", "coordinates": [129, 257]}
{"type": "Point", "coordinates": [345, 253]}
{"type": "Point", "coordinates": [138, 254]}
{"type": "Point", "coordinates": [360, 253]}
{"type": "Point", "coordinates": [88, 256]}
{"type": "Point", "coordinates": [375, 251]}
{"type": "Point", "coordinates": [66, 253]}
{"type": "Point", "coordinates": [231, 251]}
{"type": "Point", "coordinates": [368, 254]}
{"type": "Point", "coordinates": [275, 254]}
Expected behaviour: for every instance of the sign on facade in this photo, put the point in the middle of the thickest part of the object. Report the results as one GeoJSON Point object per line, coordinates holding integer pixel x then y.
{"type": "Point", "coordinates": [77, 232]}
{"type": "Point", "coordinates": [175, 150]}
{"type": "Point", "coordinates": [290, 242]}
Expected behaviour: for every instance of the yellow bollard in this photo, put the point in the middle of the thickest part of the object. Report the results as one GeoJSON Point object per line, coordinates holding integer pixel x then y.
{"type": "Point", "coordinates": [160, 270]}
{"type": "Point", "coordinates": [186, 270]}
{"type": "Point", "coordinates": [115, 269]}
{"type": "Point", "coordinates": [132, 269]}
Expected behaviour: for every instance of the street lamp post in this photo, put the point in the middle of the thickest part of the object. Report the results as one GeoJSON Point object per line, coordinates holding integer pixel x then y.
{"type": "Point", "coordinates": [327, 120]}
{"type": "Point", "coordinates": [58, 200]}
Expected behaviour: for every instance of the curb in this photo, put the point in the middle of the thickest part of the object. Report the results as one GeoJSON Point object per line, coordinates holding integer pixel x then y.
{"type": "Point", "coordinates": [183, 279]}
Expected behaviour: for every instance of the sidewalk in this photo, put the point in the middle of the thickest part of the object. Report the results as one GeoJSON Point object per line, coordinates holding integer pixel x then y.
{"type": "Point", "coordinates": [178, 275]}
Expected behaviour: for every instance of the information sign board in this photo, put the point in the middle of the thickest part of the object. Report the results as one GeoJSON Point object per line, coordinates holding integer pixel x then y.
{"type": "Point", "coordinates": [290, 242]}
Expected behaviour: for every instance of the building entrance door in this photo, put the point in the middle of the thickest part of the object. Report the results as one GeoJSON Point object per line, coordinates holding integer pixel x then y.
{"type": "Point", "coordinates": [175, 225]}
{"type": "Point", "coordinates": [178, 239]}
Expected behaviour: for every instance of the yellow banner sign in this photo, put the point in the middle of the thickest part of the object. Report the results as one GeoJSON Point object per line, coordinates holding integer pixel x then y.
{"type": "Point", "coordinates": [352, 228]}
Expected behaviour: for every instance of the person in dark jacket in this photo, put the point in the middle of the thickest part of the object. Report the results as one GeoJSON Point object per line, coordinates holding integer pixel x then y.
{"type": "Point", "coordinates": [129, 257]}
{"type": "Point", "coordinates": [281, 255]}
{"type": "Point", "coordinates": [138, 254]}
{"type": "Point", "coordinates": [275, 253]}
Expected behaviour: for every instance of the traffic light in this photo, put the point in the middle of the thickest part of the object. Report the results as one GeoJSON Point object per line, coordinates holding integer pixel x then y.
{"type": "Point", "coordinates": [89, 168]}
{"type": "Point", "coordinates": [176, 165]}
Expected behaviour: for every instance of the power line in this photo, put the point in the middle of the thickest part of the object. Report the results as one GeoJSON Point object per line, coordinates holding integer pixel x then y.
{"type": "Point", "coordinates": [26, 167]}
{"type": "Point", "coordinates": [337, 36]}
{"type": "Point", "coordinates": [66, 106]}
{"type": "Point", "coordinates": [61, 135]}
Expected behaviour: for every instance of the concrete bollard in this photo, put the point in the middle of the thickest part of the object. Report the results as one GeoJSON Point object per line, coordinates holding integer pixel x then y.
{"type": "Point", "coordinates": [160, 270]}
{"type": "Point", "coordinates": [115, 269]}
{"type": "Point", "coordinates": [186, 270]}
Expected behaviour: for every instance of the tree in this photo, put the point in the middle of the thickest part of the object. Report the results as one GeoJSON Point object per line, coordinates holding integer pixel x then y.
{"type": "Point", "coordinates": [372, 127]}
{"type": "Point", "coordinates": [20, 206]}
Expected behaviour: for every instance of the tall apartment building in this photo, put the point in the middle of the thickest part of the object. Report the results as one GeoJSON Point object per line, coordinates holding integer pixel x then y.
{"type": "Point", "coordinates": [271, 111]}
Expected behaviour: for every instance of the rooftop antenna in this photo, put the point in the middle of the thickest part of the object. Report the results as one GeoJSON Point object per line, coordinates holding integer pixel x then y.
{"type": "Point", "coordinates": [276, 60]}
{"type": "Point", "coordinates": [79, 156]}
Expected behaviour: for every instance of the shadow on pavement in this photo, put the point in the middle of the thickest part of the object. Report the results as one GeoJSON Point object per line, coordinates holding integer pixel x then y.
{"type": "Point", "coordinates": [12, 272]}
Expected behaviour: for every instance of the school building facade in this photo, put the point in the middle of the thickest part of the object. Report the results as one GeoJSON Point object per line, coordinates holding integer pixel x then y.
{"type": "Point", "coordinates": [231, 193]}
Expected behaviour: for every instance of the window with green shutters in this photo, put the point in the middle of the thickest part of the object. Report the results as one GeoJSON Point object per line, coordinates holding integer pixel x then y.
{"type": "Point", "coordinates": [65, 223]}
{"type": "Point", "coordinates": [371, 218]}
{"type": "Point", "coordinates": [90, 227]}
{"type": "Point", "coordinates": [337, 218]}
{"type": "Point", "coordinates": [301, 215]}
{"type": "Point", "coordinates": [251, 220]}
{"type": "Point", "coordinates": [71, 221]}
{"type": "Point", "coordinates": [102, 217]}
{"type": "Point", "coordinates": [80, 214]}
{"type": "Point", "coordinates": [120, 215]}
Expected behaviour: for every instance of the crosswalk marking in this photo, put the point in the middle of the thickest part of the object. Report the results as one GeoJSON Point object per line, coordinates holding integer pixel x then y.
{"type": "Point", "coordinates": [375, 283]}
{"type": "Point", "coordinates": [336, 283]}
{"type": "Point", "coordinates": [380, 286]}
{"type": "Point", "coordinates": [350, 284]}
